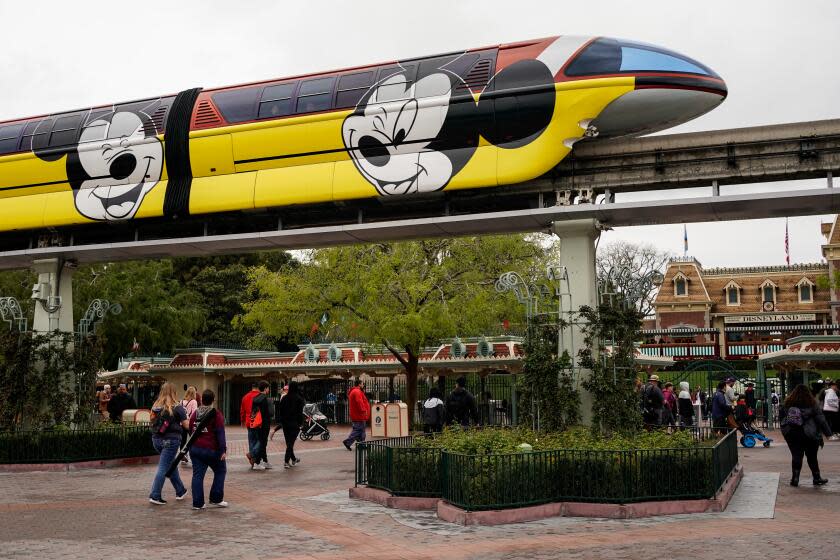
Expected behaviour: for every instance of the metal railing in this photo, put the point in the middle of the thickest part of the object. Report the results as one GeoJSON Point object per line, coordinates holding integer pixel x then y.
{"type": "Point", "coordinates": [499, 481]}
{"type": "Point", "coordinates": [67, 446]}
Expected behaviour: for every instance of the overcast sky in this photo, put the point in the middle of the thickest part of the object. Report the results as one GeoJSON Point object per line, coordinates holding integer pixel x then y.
{"type": "Point", "coordinates": [778, 59]}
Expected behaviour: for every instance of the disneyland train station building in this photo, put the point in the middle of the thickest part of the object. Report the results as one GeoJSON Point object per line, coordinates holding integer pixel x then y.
{"type": "Point", "coordinates": [737, 314]}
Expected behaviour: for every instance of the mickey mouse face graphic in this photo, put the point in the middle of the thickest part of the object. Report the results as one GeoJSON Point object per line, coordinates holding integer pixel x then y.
{"type": "Point", "coordinates": [390, 135]}
{"type": "Point", "coordinates": [117, 161]}
{"type": "Point", "coordinates": [122, 165]}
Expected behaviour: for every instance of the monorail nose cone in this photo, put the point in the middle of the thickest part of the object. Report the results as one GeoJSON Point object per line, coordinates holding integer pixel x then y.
{"type": "Point", "coordinates": [123, 166]}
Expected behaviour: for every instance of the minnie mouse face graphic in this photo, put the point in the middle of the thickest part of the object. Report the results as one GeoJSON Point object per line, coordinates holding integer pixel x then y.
{"type": "Point", "coordinates": [116, 162]}
{"type": "Point", "coordinates": [389, 136]}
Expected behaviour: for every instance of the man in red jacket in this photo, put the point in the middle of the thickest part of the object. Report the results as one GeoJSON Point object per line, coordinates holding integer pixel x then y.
{"type": "Point", "coordinates": [244, 417]}
{"type": "Point", "coordinates": [359, 413]}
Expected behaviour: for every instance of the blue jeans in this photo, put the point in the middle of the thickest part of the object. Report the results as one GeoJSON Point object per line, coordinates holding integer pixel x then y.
{"type": "Point", "coordinates": [254, 443]}
{"type": "Point", "coordinates": [201, 459]}
{"type": "Point", "coordinates": [358, 433]}
{"type": "Point", "coordinates": [168, 449]}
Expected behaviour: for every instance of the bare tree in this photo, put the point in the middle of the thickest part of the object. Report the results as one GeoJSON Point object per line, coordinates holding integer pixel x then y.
{"type": "Point", "coordinates": [630, 269]}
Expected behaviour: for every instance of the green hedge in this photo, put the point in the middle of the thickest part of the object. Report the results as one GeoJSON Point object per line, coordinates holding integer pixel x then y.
{"type": "Point", "coordinates": [72, 445]}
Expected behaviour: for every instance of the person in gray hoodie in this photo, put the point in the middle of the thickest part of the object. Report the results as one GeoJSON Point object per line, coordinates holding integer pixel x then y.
{"type": "Point", "coordinates": [685, 407]}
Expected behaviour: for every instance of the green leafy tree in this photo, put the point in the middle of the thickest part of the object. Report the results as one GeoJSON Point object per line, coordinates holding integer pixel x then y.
{"type": "Point", "coordinates": [157, 310]}
{"type": "Point", "coordinates": [549, 398]}
{"type": "Point", "coordinates": [221, 285]}
{"type": "Point", "coordinates": [405, 296]}
{"type": "Point", "coordinates": [612, 384]}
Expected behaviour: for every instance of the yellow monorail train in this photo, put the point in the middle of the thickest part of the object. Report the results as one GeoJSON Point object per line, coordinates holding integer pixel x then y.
{"type": "Point", "coordinates": [480, 118]}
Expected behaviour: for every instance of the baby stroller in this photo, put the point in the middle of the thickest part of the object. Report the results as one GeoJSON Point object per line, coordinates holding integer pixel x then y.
{"type": "Point", "coordinates": [314, 423]}
{"type": "Point", "coordinates": [750, 435]}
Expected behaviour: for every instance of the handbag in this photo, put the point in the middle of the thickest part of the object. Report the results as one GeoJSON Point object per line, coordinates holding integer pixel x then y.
{"type": "Point", "coordinates": [730, 421]}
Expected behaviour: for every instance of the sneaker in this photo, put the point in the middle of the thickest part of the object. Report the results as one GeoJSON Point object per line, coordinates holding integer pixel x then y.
{"type": "Point", "coordinates": [257, 467]}
{"type": "Point", "coordinates": [295, 461]}
{"type": "Point", "coordinates": [158, 501]}
{"type": "Point", "coordinates": [200, 508]}
{"type": "Point", "coordinates": [267, 466]}
{"type": "Point", "coordinates": [287, 466]}
{"type": "Point", "coordinates": [835, 437]}
{"type": "Point", "coordinates": [348, 446]}
{"type": "Point", "coordinates": [181, 497]}
{"type": "Point", "coordinates": [221, 504]}
{"type": "Point", "coordinates": [250, 459]}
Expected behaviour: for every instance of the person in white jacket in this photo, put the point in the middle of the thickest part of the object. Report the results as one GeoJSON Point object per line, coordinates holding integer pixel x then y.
{"type": "Point", "coordinates": [684, 405]}
{"type": "Point", "coordinates": [434, 413]}
{"type": "Point", "coordinates": [831, 409]}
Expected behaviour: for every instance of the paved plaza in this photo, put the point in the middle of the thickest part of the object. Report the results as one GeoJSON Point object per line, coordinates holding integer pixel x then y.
{"type": "Point", "coordinates": [304, 513]}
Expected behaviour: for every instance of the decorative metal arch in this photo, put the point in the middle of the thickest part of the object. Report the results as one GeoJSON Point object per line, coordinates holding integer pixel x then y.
{"type": "Point", "coordinates": [710, 365]}
{"type": "Point", "coordinates": [11, 313]}
{"type": "Point", "coordinates": [95, 314]}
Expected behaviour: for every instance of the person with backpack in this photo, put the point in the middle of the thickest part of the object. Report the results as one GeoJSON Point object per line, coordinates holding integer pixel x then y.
{"type": "Point", "coordinates": [721, 409]}
{"type": "Point", "coordinates": [652, 402]}
{"type": "Point", "coordinates": [434, 412]}
{"type": "Point", "coordinates": [169, 420]}
{"type": "Point", "coordinates": [831, 409]}
{"type": "Point", "coordinates": [245, 418]}
{"type": "Point", "coordinates": [290, 419]}
{"type": "Point", "coordinates": [803, 426]}
{"type": "Point", "coordinates": [209, 450]}
{"type": "Point", "coordinates": [260, 420]}
{"type": "Point", "coordinates": [460, 405]}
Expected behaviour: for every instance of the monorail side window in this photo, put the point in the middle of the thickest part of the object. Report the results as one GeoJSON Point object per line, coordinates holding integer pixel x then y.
{"type": "Point", "coordinates": [395, 82]}
{"type": "Point", "coordinates": [8, 138]}
{"type": "Point", "coordinates": [352, 87]}
{"type": "Point", "coordinates": [315, 95]}
{"type": "Point", "coordinates": [238, 105]}
{"type": "Point", "coordinates": [34, 135]}
{"type": "Point", "coordinates": [64, 130]}
{"type": "Point", "coordinates": [276, 101]}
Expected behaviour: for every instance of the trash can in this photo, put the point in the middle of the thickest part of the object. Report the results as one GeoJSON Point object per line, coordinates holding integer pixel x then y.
{"type": "Point", "coordinates": [377, 420]}
{"type": "Point", "coordinates": [396, 419]}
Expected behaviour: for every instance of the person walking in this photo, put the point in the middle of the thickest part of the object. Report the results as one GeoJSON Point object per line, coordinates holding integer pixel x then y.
{"type": "Point", "coordinates": [261, 415]}
{"type": "Point", "coordinates": [831, 409]}
{"type": "Point", "coordinates": [434, 412]}
{"type": "Point", "coordinates": [803, 426]}
{"type": "Point", "coordinates": [652, 402]}
{"type": "Point", "coordinates": [209, 450]}
{"type": "Point", "coordinates": [245, 419]}
{"type": "Point", "coordinates": [685, 406]}
{"type": "Point", "coordinates": [721, 409]}
{"type": "Point", "coordinates": [190, 404]}
{"type": "Point", "coordinates": [669, 411]}
{"type": "Point", "coordinates": [290, 419]}
{"type": "Point", "coordinates": [359, 413]}
{"type": "Point", "coordinates": [168, 422]}
{"type": "Point", "coordinates": [460, 405]}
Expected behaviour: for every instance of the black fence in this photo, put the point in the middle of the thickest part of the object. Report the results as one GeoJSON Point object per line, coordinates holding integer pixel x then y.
{"type": "Point", "coordinates": [67, 446]}
{"type": "Point", "coordinates": [499, 481]}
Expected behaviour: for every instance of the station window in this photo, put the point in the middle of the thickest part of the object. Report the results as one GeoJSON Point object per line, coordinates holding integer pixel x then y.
{"type": "Point", "coordinates": [352, 87]}
{"type": "Point", "coordinates": [8, 137]}
{"type": "Point", "coordinates": [769, 293]}
{"type": "Point", "coordinates": [732, 296]}
{"type": "Point", "coordinates": [64, 130]}
{"type": "Point", "coordinates": [237, 105]}
{"type": "Point", "coordinates": [680, 286]}
{"type": "Point", "coordinates": [805, 294]}
{"type": "Point", "coordinates": [276, 101]}
{"type": "Point", "coordinates": [315, 95]}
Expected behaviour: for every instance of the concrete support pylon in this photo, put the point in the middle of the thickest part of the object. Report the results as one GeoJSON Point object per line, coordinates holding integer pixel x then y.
{"type": "Point", "coordinates": [577, 255]}
{"type": "Point", "coordinates": [53, 295]}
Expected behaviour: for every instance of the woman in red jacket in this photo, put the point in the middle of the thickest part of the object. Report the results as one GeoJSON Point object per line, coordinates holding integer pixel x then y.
{"type": "Point", "coordinates": [359, 413]}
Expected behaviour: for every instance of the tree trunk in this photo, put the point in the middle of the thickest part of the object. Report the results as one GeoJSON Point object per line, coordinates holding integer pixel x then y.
{"type": "Point", "coordinates": [411, 367]}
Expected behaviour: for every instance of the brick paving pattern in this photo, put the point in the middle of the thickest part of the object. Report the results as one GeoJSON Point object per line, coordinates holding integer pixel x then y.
{"type": "Point", "coordinates": [303, 513]}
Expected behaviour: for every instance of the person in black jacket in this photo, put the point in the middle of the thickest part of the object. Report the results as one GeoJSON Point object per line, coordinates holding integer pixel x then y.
{"type": "Point", "coordinates": [803, 426]}
{"type": "Point", "coordinates": [262, 404]}
{"type": "Point", "coordinates": [120, 402]}
{"type": "Point", "coordinates": [460, 405]}
{"type": "Point", "coordinates": [290, 418]}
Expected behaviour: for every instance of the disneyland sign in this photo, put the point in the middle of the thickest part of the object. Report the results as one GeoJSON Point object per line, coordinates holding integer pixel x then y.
{"type": "Point", "coordinates": [771, 318]}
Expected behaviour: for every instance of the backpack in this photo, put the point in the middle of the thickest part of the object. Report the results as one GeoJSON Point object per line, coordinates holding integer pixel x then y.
{"type": "Point", "coordinates": [794, 417]}
{"type": "Point", "coordinates": [256, 419]}
{"type": "Point", "coordinates": [160, 423]}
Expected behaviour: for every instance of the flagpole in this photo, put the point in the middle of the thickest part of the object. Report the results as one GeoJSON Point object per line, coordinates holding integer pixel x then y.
{"type": "Point", "coordinates": [787, 243]}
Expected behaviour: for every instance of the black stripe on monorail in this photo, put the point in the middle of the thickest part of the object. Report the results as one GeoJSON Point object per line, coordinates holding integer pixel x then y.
{"type": "Point", "coordinates": [50, 183]}
{"type": "Point", "coordinates": [681, 82]}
